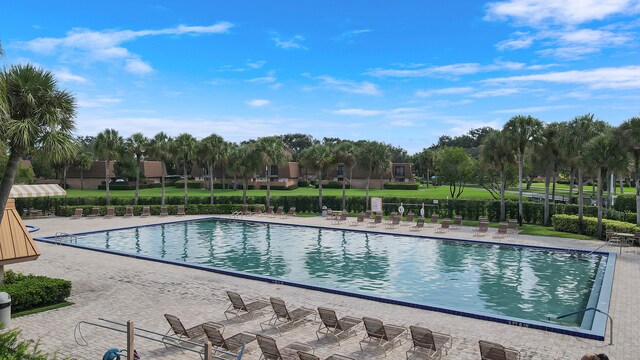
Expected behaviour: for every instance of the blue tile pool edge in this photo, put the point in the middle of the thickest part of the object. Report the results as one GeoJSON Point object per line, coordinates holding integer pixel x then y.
{"type": "Point", "coordinates": [597, 331]}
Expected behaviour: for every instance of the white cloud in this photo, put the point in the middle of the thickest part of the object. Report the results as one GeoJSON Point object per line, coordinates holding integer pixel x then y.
{"type": "Point", "coordinates": [257, 103]}
{"type": "Point", "coordinates": [255, 64]}
{"type": "Point", "coordinates": [616, 78]}
{"type": "Point", "coordinates": [347, 86]}
{"type": "Point", "coordinates": [452, 70]}
{"type": "Point", "coordinates": [270, 78]}
{"type": "Point", "coordinates": [532, 109]}
{"type": "Point", "coordinates": [291, 43]}
{"type": "Point", "coordinates": [349, 36]}
{"type": "Point", "coordinates": [357, 112]}
{"type": "Point", "coordinates": [64, 75]}
{"type": "Point", "coordinates": [105, 46]}
{"type": "Point", "coordinates": [568, 12]}
{"type": "Point", "coordinates": [519, 40]}
{"type": "Point", "coordinates": [497, 92]}
{"type": "Point", "coordinates": [98, 102]}
{"type": "Point", "coordinates": [444, 91]}
{"type": "Point", "coordinates": [402, 123]}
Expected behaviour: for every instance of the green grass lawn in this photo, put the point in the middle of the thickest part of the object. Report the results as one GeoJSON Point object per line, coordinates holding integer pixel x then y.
{"type": "Point", "coordinates": [563, 189]}
{"type": "Point", "coordinates": [439, 192]}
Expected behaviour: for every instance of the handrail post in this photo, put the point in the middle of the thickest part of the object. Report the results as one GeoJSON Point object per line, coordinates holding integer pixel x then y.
{"type": "Point", "coordinates": [207, 350]}
{"type": "Point", "coordinates": [130, 340]}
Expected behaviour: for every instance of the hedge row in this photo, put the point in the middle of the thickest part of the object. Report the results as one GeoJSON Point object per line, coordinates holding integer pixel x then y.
{"type": "Point", "coordinates": [401, 186]}
{"type": "Point", "coordinates": [333, 185]}
{"type": "Point", "coordinates": [31, 291]}
{"type": "Point", "coordinates": [569, 223]}
{"type": "Point", "coordinates": [117, 186]}
{"type": "Point", "coordinates": [193, 209]}
{"type": "Point", "coordinates": [190, 184]}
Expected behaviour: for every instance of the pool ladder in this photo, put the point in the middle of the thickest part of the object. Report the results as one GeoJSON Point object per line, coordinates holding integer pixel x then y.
{"type": "Point", "coordinates": [596, 310]}
{"type": "Point", "coordinates": [236, 215]}
{"type": "Point", "coordinates": [62, 237]}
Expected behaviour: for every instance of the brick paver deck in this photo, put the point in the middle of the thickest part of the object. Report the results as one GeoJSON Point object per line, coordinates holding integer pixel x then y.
{"type": "Point", "coordinates": [122, 288]}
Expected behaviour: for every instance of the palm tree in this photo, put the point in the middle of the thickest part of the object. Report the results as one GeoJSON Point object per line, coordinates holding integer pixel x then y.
{"type": "Point", "coordinates": [546, 157]}
{"type": "Point", "coordinates": [345, 154]}
{"type": "Point", "coordinates": [424, 160]}
{"type": "Point", "coordinates": [159, 149]}
{"type": "Point", "coordinates": [108, 147]}
{"type": "Point", "coordinates": [184, 148]}
{"type": "Point", "coordinates": [83, 162]}
{"type": "Point", "coordinates": [630, 131]}
{"type": "Point", "coordinates": [317, 157]}
{"type": "Point", "coordinates": [244, 160]}
{"type": "Point", "coordinates": [273, 153]}
{"type": "Point", "coordinates": [137, 144]}
{"type": "Point", "coordinates": [600, 154]}
{"type": "Point", "coordinates": [374, 157]}
{"type": "Point", "coordinates": [523, 131]}
{"type": "Point", "coordinates": [497, 153]}
{"type": "Point", "coordinates": [580, 130]}
{"type": "Point", "coordinates": [211, 151]}
{"type": "Point", "coordinates": [36, 117]}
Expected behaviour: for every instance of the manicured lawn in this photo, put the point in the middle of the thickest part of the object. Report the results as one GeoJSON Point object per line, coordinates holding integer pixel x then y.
{"type": "Point", "coordinates": [41, 309]}
{"type": "Point", "coordinates": [531, 229]}
{"type": "Point", "coordinates": [440, 192]}
{"type": "Point", "coordinates": [563, 189]}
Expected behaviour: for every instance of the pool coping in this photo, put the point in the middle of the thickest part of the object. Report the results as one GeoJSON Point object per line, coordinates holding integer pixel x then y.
{"type": "Point", "coordinates": [597, 331]}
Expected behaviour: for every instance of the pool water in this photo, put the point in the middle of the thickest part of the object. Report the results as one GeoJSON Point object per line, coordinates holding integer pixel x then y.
{"type": "Point", "coordinates": [510, 281]}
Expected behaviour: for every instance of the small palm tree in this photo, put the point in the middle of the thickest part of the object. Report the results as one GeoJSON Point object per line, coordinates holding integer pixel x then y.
{"type": "Point", "coordinates": [137, 144]}
{"type": "Point", "coordinates": [108, 147]}
{"type": "Point", "coordinates": [524, 132]}
{"type": "Point", "coordinates": [630, 131]}
{"type": "Point", "coordinates": [36, 117]}
{"type": "Point", "coordinates": [210, 152]}
{"type": "Point", "coordinates": [374, 157]}
{"type": "Point", "coordinates": [424, 162]}
{"type": "Point", "coordinates": [184, 150]}
{"type": "Point", "coordinates": [273, 153]}
{"type": "Point", "coordinates": [317, 157]}
{"type": "Point", "coordinates": [345, 154]}
{"type": "Point", "coordinates": [159, 150]}
{"type": "Point", "coordinates": [244, 160]}
{"type": "Point", "coordinates": [496, 152]}
{"type": "Point", "coordinates": [83, 162]}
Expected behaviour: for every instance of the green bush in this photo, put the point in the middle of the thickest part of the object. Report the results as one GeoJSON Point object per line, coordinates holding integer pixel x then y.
{"type": "Point", "coordinates": [31, 291]}
{"type": "Point", "coordinates": [14, 348]}
{"type": "Point", "coordinates": [334, 185]}
{"type": "Point", "coordinates": [303, 184]}
{"type": "Point", "coordinates": [569, 223]}
{"type": "Point", "coordinates": [116, 186]}
{"type": "Point", "coordinates": [190, 184]}
{"type": "Point", "coordinates": [401, 186]}
{"type": "Point", "coordinates": [625, 203]}
{"type": "Point", "coordinates": [276, 187]}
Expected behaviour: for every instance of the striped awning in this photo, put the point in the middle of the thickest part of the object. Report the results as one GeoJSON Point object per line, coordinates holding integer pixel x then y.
{"type": "Point", "coordinates": [42, 190]}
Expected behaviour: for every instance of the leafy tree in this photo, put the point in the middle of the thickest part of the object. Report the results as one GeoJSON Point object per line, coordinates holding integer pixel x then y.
{"type": "Point", "coordinates": [273, 153]}
{"type": "Point", "coordinates": [184, 149]}
{"type": "Point", "coordinates": [470, 141]}
{"type": "Point", "coordinates": [318, 157]}
{"type": "Point", "coordinates": [601, 153]}
{"type": "Point", "coordinates": [138, 145]}
{"type": "Point", "coordinates": [630, 131]}
{"type": "Point", "coordinates": [454, 167]}
{"type": "Point", "coordinates": [345, 153]}
{"type": "Point", "coordinates": [159, 150]}
{"type": "Point", "coordinates": [108, 147]}
{"type": "Point", "coordinates": [211, 151]}
{"type": "Point", "coordinates": [497, 154]}
{"type": "Point", "coordinates": [42, 167]}
{"type": "Point", "coordinates": [374, 157]}
{"type": "Point", "coordinates": [83, 162]}
{"type": "Point", "coordinates": [399, 154]}
{"type": "Point", "coordinates": [35, 116]}
{"type": "Point", "coordinates": [24, 175]}
{"type": "Point", "coordinates": [423, 163]}
{"type": "Point", "coordinates": [296, 143]}
{"type": "Point", "coordinates": [524, 131]}
{"type": "Point", "coordinates": [244, 160]}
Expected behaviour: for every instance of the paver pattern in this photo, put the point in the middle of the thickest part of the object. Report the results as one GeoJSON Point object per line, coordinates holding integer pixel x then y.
{"type": "Point", "coordinates": [121, 288]}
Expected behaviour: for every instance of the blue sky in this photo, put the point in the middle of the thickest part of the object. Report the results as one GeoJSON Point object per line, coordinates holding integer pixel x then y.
{"type": "Point", "coordinates": [403, 72]}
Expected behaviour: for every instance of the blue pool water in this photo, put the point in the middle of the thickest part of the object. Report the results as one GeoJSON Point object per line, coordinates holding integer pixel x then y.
{"type": "Point", "coordinates": [507, 281]}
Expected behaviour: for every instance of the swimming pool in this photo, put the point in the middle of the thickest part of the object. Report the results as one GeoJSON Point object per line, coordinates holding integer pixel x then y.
{"type": "Point", "coordinates": [526, 286]}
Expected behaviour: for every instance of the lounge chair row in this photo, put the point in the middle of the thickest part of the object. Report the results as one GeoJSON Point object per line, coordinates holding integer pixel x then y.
{"type": "Point", "coordinates": [279, 211]}
{"type": "Point", "coordinates": [111, 212]}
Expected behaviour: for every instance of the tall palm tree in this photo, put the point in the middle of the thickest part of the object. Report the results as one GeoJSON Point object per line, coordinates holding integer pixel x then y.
{"type": "Point", "coordinates": [36, 117]}
{"type": "Point", "coordinates": [497, 153]}
{"type": "Point", "coordinates": [580, 130]}
{"type": "Point", "coordinates": [523, 131]}
{"type": "Point", "coordinates": [600, 154]}
{"type": "Point", "coordinates": [424, 161]}
{"type": "Point", "coordinates": [184, 148]}
{"type": "Point", "coordinates": [345, 154]}
{"type": "Point", "coordinates": [317, 157]}
{"type": "Point", "coordinates": [83, 162]}
{"type": "Point", "coordinates": [244, 160]}
{"type": "Point", "coordinates": [223, 161]}
{"type": "Point", "coordinates": [374, 157]}
{"type": "Point", "coordinates": [159, 149]}
{"type": "Point", "coordinates": [138, 145]}
{"type": "Point", "coordinates": [630, 131]}
{"type": "Point", "coordinates": [210, 151]}
{"type": "Point", "coordinates": [108, 147]}
{"type": "Point", "coordinates": [273, 153]}
{"type": "Point", "coordinates": [546, 157]}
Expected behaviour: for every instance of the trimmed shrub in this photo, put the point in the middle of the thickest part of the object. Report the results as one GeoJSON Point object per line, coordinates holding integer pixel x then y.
{"type": "Point", "coordinates": [401, 186]}
{"type": "Point", "coordinates": [625, 203]}
{"type": "Point", "coordinates": [116, 186]}
{"type": "Point", "coordinates": [334, 185]}
{"type": "Point", "coordinates": [303, 184]}
{"type": "Point", "coordinates": [31, 291]}
{"type": "Point", "coordinates": [190, 184]}
{"type": "Point", "coordinates": [275, 187]}
{"type": "Point", "coordinates": [569, 223]}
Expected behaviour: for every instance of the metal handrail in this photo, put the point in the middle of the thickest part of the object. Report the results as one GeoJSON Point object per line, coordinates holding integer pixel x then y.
{"type": "Point", "coordinates": [597, 310]}
{"type": "Point", "coordinates": [59, 236]}
{"type": "Point", "coordinates": [177, 340]}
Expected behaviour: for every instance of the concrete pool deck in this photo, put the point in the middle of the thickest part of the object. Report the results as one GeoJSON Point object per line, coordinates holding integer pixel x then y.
{"type": "Point", "coordinates": [121, 288]}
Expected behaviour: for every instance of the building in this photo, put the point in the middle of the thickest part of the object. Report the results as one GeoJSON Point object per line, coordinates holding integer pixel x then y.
{"type": "Point", "coordinates": [398, 173]}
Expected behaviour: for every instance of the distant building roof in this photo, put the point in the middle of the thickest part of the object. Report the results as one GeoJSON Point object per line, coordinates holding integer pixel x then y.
{"type": "Point", "coordinates": [96, 171]}
{"type": "Point", "coordinates": [152, 169]}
